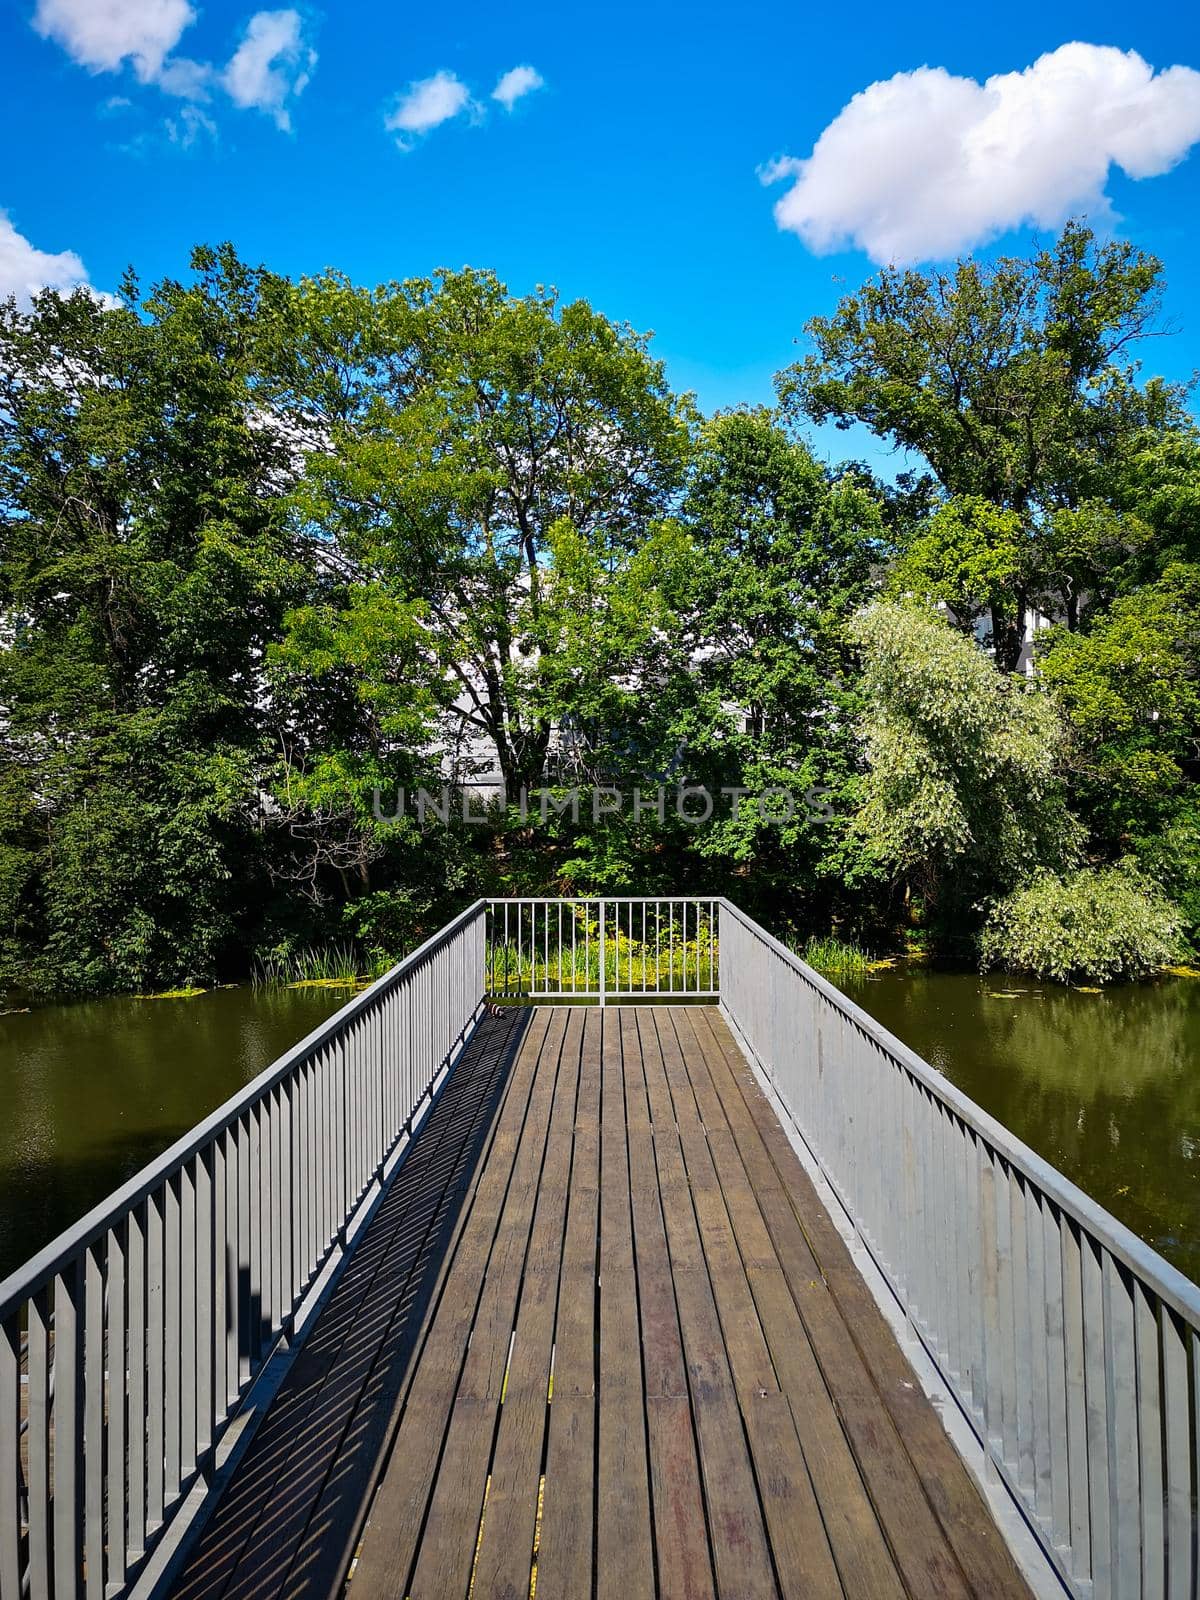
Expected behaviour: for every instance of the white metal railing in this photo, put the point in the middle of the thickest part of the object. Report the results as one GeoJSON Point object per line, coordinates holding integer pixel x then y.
{"type": "Point", "coordinates": [603, 948]}
{"type": "Point", "coordinates": [127, 1345]}
{"type": "Point", "coordinates": [1070, 1346]}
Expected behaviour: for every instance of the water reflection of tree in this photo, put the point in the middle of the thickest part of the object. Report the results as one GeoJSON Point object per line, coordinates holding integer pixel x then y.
{"type": "Point", "coordinates": [93, 1091]}
{"type": "Point", "coordinates": [1104, 1086]}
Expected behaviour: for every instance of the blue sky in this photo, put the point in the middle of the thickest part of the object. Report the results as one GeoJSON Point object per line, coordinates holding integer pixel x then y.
{"type": "Point", "coordinates": [631, 176]}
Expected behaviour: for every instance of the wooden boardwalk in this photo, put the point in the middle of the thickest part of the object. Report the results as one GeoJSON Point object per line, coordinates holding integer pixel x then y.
{"type": "Point", "coordinates": [602, 1339]}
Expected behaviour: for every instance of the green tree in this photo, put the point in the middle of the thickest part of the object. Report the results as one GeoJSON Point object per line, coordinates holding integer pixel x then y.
{"type": "Point", "coordinates": [459, 425]}
{"type": "Point", "coordinates": [1012, 379]}
{"type": "Point", "coordinates": [614, 648]}
{"type": "Point", "coordinates": [963, 795]}
{"type": "Point", "coordinates": [970, 554]}
{"type": "Point", "coordinates": [787, 553]}
{"type": "Point", "coordinates": [1094, 925]}
{"type": "Point", "coordinates": [1130, 687]}
{"type": "Point", "coordinates": [145, 561]}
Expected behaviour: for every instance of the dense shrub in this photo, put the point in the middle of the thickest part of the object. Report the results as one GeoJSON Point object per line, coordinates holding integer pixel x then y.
{"type": "Point", "coordinates": [1096, 924]}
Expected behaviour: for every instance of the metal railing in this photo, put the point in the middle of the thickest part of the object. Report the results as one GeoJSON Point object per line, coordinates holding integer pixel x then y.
{"type": "Point", "coordinates": [1070, 1346]}
{"type": "Point", "coordinates": [604, 948]}
{"type": "Point", "coordinates": [127, 1345]}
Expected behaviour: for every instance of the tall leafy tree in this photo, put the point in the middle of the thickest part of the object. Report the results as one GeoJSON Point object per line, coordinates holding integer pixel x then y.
{"type": "Point", "coordinates": [787, 553]}
{"type": "Point", "coordinates": [1130, 687]}
{"type": "Point", "coordinates": [1014, 381]}
{"type": "Point", "coordinates": [458, 426]}
{"type": "Point", "coordinates": [963, 794]}
{"type": "Point", "coordinates": [145, 561]}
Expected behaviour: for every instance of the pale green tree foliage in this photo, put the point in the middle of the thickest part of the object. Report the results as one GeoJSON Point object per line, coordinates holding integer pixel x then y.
{"type": "Point", "coordinates": [1092, 925]}
{"type": "Point", "coordinates": [962, 791]}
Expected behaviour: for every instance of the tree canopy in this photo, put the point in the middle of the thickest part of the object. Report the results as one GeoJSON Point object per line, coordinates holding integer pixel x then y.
{"type": "Point", "coordinates": [278, 556]}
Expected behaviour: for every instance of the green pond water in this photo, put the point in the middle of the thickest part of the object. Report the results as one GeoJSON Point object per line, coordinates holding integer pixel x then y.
{"type": "Point", "coordinates": [1105, 1086]}
{"type": "Point", "coordinates": [90, 1093]}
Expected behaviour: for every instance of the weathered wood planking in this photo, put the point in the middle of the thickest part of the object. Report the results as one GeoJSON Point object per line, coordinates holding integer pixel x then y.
{"type": "Point", "coordinates": [646, 1367]}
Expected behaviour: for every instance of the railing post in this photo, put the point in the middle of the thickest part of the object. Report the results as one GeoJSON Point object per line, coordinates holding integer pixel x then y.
{"type": "Point", "coordinates": [602, 914]}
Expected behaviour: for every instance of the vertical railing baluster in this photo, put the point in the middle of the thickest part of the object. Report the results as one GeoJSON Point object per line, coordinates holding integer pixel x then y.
{"type": "Point", "coordinates": [209, 1321]}
{"type": "Point", "coordinates": [187, 1319]}
{"type": "Point", "coordinates": [1177, 1417]}
{"type": "Point", "coordinates": [289, 1279]}
{"type": "Point", "coordinates": [1095, 1391]}
{"type": "Point", "coordinates": [41, 1535]}
{"type": "Point", "coordinates": [93, 1351]}
{"type": "Point", "coordinates": [68, 1429]}
{"type": "Point", "coordinates": [603, 959]}
{"type": "Point", "coordinates": [1056, 1375]}
{"type": "Point", "coordinates": [230, 1258]}
{"type": "Point", "coordinates": [171, 1340]}
{"type": "Point", "coordinates": [242, 1257]}
{"type": "Point", "coordinates": [1120, 1376]}
{"type": "Point", "coordinates": [1037, 1311]}
{"type": "Point", "coordinates": [1148, 1390]}
{"type": "Point", "coordinates": [10, 1458]}
{"type": "Point", "coordinates": [135, 1302]}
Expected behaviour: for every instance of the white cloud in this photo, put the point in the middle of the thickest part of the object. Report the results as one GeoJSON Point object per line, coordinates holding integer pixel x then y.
{"type": "Point", "coordinates": [926, 164]}
{"type": "Point", "coordinates": [269, 68]}
{"type": "Point", "coordinates": [427, 104]}
{"type": "Point", "coordinates": [272, 64]}
{"type": "Point", "coordinates": [24, 269]}
{"type": "Point", "coordinates": [189, 127]}
{"type": "Point", "coordinates": [189, 80]}
{"type": "Point", "coordinates": [517, 81]}
{"type": "Point", "coordinates": [103, 34]}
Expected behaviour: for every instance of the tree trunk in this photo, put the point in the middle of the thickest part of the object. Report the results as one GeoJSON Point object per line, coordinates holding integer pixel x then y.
{"type": "Point", "coordinates": [1008, 636]}
{"type": "Point", "coordinates": [522, 759]}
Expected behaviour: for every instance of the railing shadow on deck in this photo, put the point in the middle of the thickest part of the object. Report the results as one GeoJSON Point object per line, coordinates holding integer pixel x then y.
{"type": "Point", "coordinates": [133, 1346]}
{"type": "Point", "coordinates": [291, 1516]}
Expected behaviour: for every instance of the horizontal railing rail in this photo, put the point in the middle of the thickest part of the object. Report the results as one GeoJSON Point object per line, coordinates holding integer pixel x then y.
{"type": "Point", "coordinates": [1070, 1346]}
{"type": "Point", "coordinates": [128, 1345]}
{"type": "Point", "coordinates": [604, 948]}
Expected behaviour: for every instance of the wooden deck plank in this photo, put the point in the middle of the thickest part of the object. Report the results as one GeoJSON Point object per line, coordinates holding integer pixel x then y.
{"type": "Point", "coordinates": [741, 1555]}
{"type": "Point", "coordinates": [943, 1536]}
{"type": "Point", "coordinates": [504, 1558]}
{"type": "Point", "coordinates": [749, 1358]}
{"type": "Point", "coordinates": [624, 1547]}
{"type": "Point", "coordinates": [677, 1499]}
{"type": "Point", "coordinates": [565, 1554]}
{"type": "Point", "coordinates": [640, 1366]}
